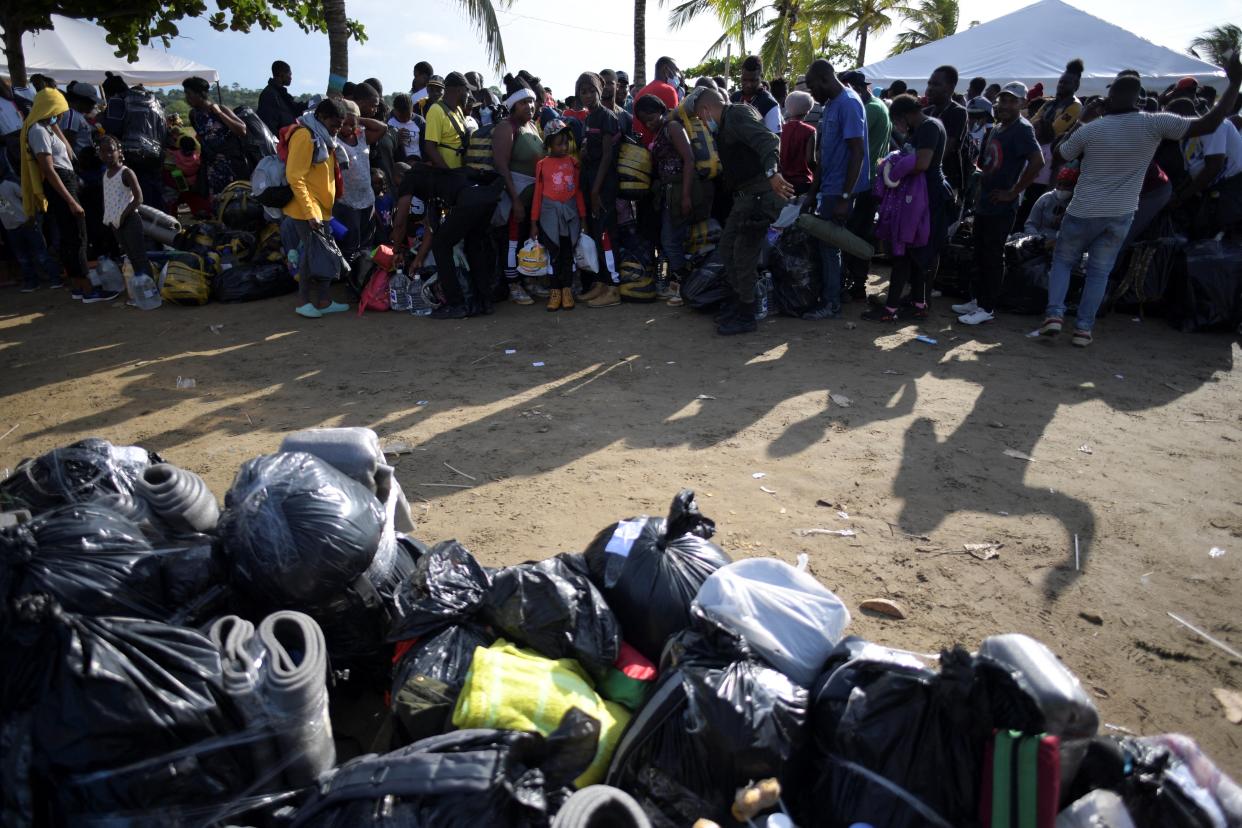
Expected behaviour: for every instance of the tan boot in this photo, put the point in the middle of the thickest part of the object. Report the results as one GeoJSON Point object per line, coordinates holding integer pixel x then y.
{"type": "Point", "coordinates": [554, 300]}
{"type": "Point", "coordinates": [607, 298]}
{"type": "Point", "coordinates": [567, 298]}
{"type": "Point", "coordinates": [593, 293]}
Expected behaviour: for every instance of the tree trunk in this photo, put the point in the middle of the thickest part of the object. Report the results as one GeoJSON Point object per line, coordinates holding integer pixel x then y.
{"type": "Point", "coordinates": [862, 46]}
{"type": "Point", "coordinates": [13, 50]}
{"type": "Point", "coordinates": [338, 45]}
{"type": "Point", "coordinates": [640, 43]}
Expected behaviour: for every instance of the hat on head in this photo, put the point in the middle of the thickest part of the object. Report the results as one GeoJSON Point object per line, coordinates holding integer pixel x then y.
{"type": "Point", "coordinates": [83, 90]}
{"type": "Point", "coordinates": [475, 81]}
{"type": "Point", "coordinates": [1068, 176]}
{"type": "Point", "coordinates": [1186, 83]}
{"type": "Point", "coordinates": [455, 80]}
{"type": "Point", "coordinates": [852, 77]}
{"type": "Point", "coordinates": [1019, 91]}
{"type": "Point", "coordinates": [554, 127]}
{"type": "Point", "coordinates": [435, 80]}
{"type": "Point", "coordinates": [980, 105]}
{"type": "Point", "coordinates": [623, 77]}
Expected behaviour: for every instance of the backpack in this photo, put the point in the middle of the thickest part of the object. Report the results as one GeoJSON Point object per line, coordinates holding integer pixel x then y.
{"type": "Point", "coordinates": [479, 153]}
{"type": "Point", "coordinates": [633, 170]}
{"type": "Point", "coordinates": [259, 142]}
{"type": "Point", "coordinates": [375, 294]}
{"type": "Point", "coordinates": [268, 184]}
{"type": "Point", "coordinates": [143, 127]}
{"type": "Point", "coordinates": [186, 280]}
{"type": "Point", "coordinates": [237, 209]}
{"type": "Point", "coordinates": [702, 143]}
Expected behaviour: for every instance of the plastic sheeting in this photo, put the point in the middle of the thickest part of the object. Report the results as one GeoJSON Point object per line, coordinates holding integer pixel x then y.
{"type": "Point", "coordinates": [84, 471]}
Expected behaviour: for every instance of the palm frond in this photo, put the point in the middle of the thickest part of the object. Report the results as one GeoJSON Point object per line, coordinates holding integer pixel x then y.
{"type": "Point", "coordinates": [482, 15]}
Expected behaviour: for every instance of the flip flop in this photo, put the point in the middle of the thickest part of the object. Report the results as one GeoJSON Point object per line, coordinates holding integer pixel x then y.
{"type": "Point", "coordinates": [309, 311]}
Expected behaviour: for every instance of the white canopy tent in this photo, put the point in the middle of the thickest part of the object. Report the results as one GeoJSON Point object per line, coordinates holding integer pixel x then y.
{"type": "Point", "coordinates": [77, 50]}
{"type": "Point", "coordinates": [1034, 43]}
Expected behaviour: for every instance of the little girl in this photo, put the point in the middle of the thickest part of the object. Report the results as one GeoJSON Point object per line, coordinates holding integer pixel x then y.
{"type": "Point", "coordinates": [557, 210]}
{"type": "Point", "coordinates": [122, 196]}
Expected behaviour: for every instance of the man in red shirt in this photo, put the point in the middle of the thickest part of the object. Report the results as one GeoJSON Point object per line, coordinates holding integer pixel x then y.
{"type": "Point", "coordinates": [664, 87]}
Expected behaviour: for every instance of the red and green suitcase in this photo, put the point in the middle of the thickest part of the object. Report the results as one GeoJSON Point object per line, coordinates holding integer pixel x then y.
{"type": "Point", "coordinates": [1021, 781]}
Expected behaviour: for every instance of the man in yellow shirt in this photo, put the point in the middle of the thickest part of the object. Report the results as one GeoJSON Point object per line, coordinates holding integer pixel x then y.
{"type": "Point", "coordinates": [311, 173]}
{"type": "Point", "coordinates": [446, 135]}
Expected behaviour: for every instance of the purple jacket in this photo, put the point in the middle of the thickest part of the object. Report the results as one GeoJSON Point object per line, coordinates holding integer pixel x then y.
{"type": "Point", "coordinates": [905, 219]}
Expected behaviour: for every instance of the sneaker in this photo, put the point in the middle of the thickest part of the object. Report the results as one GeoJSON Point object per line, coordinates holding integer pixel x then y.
{"type": "Point", "coordinates": [740, 323]}
{"type": "Point", "coordinates": [1081, 338]}
{"type": "Point", "coordinates": [335, 307]}
{"type": "Point", "coordinates": [567, 298]}
{"type": "Point", "coordinates": [309, 311]}
{"type": "Point", "coordinates": [666, 289]}
{"type": "Point", "coordinates": [593, 293]}
{"type": "Point", "coordinates": [826, 312]}
{"type": "Point", "coordinates": [29, 288]}
{"type": "Point", "coordinates": [56, 285]}
{"type": "Point", "coordinates": [916, 312]}
{"type": "Point", "coordinates": [607, 298]}
{"type": "Point", "coordinates": [675, 301]}
{"type": "Point", "coordinates": [554, 300]}
{"type": "Point", "coordinates": [457, 311]}
{"type": "Point", "coordinates": [1051, 326]}
{"type": "Point", "coordinates": [537, 290]}
{"type": "Point", "coordinates": [99, 295]}
{"type": "Point", "coordinates": [75, 295]}
{"type": "Point", "coordinates": [517, 295]}
{"type": "Point", "coordinates": [979, 317]}
{"type": "Point", "coordinates": [966, 308]}
{"type": "Point", "coordinates": [880, 314]}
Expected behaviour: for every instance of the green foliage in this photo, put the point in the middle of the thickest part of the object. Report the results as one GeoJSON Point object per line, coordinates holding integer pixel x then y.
{"type": "Point", "coordinates": [930, 20]}
{"type": "Point", "coordinates": [173, 98]}
{"type": "Point", "coordinates": [715, 66]}
{"type": "Point", "coordinates": [1215, 44]}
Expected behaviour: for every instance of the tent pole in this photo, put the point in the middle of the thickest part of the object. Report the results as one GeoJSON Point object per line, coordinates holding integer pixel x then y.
{"type": "Point", "coordinates": [219, 98]}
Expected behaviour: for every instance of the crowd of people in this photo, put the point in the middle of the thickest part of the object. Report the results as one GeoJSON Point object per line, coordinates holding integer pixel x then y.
{"type": "Point", "coordinates": [495, 184]}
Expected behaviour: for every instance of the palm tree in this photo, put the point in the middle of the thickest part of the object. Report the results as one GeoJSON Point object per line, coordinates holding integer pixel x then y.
{"type": "Point", "coordinates": [1215, 44]}
{"type": "Point", "coordinates": [856, 18]}
{"type": "Point", "coordinates": [737, 18]}
{"type": "Point", "coordinates": [640, 43]}
{"type": "Point", "coordinates": [930, 20]}
{"type": "Point", "coordinates": [338, 45]}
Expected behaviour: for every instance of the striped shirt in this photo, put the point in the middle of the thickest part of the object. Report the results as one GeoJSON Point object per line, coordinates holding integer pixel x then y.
{"type": "Point", "coordinates": [1116, 150]}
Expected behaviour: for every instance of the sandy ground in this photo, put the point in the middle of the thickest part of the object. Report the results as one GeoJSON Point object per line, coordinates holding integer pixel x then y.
{"type": "Point", "coordinates": [1134, 445]}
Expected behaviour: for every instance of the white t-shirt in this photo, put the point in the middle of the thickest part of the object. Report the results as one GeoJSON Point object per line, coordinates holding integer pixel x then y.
{"type": "Point", "coordinates": [1226, 141]}
{"type": "Point", "coordinates": [410, 145]}
{"type": "Point", "coordinates": [1116, 150]}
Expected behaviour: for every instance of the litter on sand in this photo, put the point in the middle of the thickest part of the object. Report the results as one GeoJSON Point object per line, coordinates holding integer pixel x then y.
{"type": "Point", "coordinates": [1085, 448]}
{"type": "Point", "coordinates": [759, 475]}
{"type": "Point", "coordinates": [1209, 639]}
{"type": "Point", "coordinates": [1231, 700]}
{"type": "Point", "coordinates": [1216, 552]}
{"type": "Point", "coordinates": [1019, 455]}
{"type": "Point", "coordinates": [767, 490]}
{"type": "Point", "coordinates": [841, 400]}
{"type": "Point", "coordinates": [843, 533]}
{"type": "Point", "coordinates": [397, 448]}
{"type": "Point", "coordinates": [926, 339]}
{"type": "Point", "coordinates": [982, 551]}
{"type": "Point", "coordinates": [705, 397]}
{"type": "Point", "coordinates": [510, 351]}
{"type": "Point", "coordinates": [422, 402]}
{"type": "Point", "coordinates": [843, 515]}
{"type": "Point", "coordinates": [186, 382]}
{"type": "Point", "coordinates": [883, 606]}
{"type": "Point", "coordinates": [536, 365]}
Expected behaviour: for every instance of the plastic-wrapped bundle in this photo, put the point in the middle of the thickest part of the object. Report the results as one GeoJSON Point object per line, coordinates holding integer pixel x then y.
{"type": "Point", "coordinates": [706, 285]}
{"type": "Point", "coordinates": [795, 266]}
{"type": "Point", "coordinates": [78, 473]}
{"type": "Point", "coordinates": [554, 609]}
{"type": "Point", "coordinates": [462, 779]}
{"type": "Point", "coordinates": [179, 497]}
{"type": "Point", "coordinates": [719, 719]}
{"type": "Point", "coordinates": [429, 676]}
{"type": "Point", "coordinates": [786, 616]}
{"type": "Point", "coordinates": [448, 586]}
{"type": "Point", "coordinates": [297, 531]}
{"type": "Point", "coordinates": [650, 569]}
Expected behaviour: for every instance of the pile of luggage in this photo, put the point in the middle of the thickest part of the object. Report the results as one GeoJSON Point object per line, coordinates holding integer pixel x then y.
{"type": "Point", "coordinates": [297, 657]}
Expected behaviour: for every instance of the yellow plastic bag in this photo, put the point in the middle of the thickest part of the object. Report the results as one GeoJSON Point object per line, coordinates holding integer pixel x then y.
{"type": "Point", "coordinates": [509, 688]}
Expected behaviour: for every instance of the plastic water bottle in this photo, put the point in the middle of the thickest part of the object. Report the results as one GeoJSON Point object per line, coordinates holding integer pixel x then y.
{"type": "Point", "coordinates": [419, 306]}
{"type": "Point", "coordinates": [399, 291]}
{"type": "Point", "coordinates": [142, 290]}
{"type": "Point", "coordinates": [763, 288]}
{"type": "Point", "coordinates": [127, 276]}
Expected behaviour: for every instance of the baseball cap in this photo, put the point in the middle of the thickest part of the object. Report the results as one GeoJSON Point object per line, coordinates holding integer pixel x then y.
{"type": "Point", "coordinates": [1015, 88]}
{"type": "Point", "coordinates": [852, 77]}
{"type": "Point", "coordinates": [979, 104]}
{"type": "Point", "coordinates": [554, 126]}
{"type": "Point", "coordinates": [455, 80]}
{"type": "Point", "coordinates": [1186, 83]}
{"type": "Point", "coordinates": [622, 76]}
{"type": "Point", "coordinates": [83, 90]}
{"type": "Point", "coordinates": [436, 80]}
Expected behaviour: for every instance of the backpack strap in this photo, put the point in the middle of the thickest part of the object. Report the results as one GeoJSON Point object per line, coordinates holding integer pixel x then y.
{"type": "Point", "coordinates": [459, 128]}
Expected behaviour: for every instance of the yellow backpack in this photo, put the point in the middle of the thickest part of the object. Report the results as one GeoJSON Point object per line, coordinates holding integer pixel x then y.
{"type": "Point", "coordinates": [702, 142]}
{"type": "Point", "coordinates": [634, 170]}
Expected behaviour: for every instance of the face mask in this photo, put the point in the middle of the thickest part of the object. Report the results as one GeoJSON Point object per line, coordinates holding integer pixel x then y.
{"type": "Point", "coordinates": [712, 125]}
{"type": "Point", "coordinates": [54, 120]}
{"type": "Point", "coordinates": [1064, 195]}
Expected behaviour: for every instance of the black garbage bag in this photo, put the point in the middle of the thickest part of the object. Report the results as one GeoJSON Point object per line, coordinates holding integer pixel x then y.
{"type": "Point", "coordinates": [249, 282]}
{"type": "Point", "coordinates": [447, 586]}
{"type": "Point", "coordinates": [650, 569]}
{"type": "Point", "coordinates": [851, 795]}
{"type": "Point", "coordinates": [718, 719]}
{"type": "Point", "coordinates": [297, 531]}
{"type": "Point", "coordinates": [706, 286]}
{"type": "Point", "coordinates": [1171, 783]}
{"type": "Point", "coordinates": [16, 797]}
{"type": "Point", "coordinates": [1211, 297]}
{"type": "Point", "coordinates": [1025, 287]}
{"type": "Point", "coordinates": [924, 732]}
{"type": "Point", "coordinates": [464, 779]}
{"type": "Point", "coordinates": [554, 609]}
{"type": "Point", "coordinates": [78, 473]}
{"type": "Point", "coordinates": [428, 678]}
{"type": "Point", "coordinates": [796, 272]}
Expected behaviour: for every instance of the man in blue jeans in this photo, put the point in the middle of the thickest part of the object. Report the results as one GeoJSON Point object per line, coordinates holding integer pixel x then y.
{"type": "Point", "coordinates": [1115, 151]}
{"type": "Point", "coordinates": [842, 171]}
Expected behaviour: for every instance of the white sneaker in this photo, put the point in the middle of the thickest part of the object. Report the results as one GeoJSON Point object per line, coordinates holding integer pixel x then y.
{"type": "Point", "coordinates": [977, 318]}
{"type": "Point", "coordinates": [969, 307]}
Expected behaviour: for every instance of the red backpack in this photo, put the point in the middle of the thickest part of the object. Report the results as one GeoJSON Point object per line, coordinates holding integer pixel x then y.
{"type": "Point", "coordinates": [282, 151]}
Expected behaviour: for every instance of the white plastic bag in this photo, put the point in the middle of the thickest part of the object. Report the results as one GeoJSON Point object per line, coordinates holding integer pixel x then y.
{"type": "Point", "coordinates": [586, 256]}
{"type": "Point", "coordinates": [786, 616]}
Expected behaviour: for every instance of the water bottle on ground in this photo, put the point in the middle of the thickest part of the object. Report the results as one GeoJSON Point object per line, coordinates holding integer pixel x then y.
{"type": "Point", "coordinates": [399, 291]}
{"type": "Point", "coordinates": [763, 289]}
{"type": "Point", "coordinates": [419, 306]}
{"type": "Point", "coordinates": [142, 289]}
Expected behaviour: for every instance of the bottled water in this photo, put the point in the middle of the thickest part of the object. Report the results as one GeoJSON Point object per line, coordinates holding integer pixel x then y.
{"type": "Point", "coordinates": [763, 289]}
{"type": "Point", "coordinates": [142, 290]}
{"type": "Point", "coordinates": [399, 291]}
{"type": "Point", "coordinates": [419, 306]}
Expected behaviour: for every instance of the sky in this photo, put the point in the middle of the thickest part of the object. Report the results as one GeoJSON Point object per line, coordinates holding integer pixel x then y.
{"type": "Point", "coordinates": [558, 39]}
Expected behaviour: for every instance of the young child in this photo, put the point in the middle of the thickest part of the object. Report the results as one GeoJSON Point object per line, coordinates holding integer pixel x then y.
{"type": "Point", "coordinates": [122, 196]}
{"type": "Point", "coordinates": [557, 212]}
{"type": "Point", "coordinates": [384, 201]}
{"type": "Point", "coordinates": [409, 130]}
{"type": "Point", "coordinates": [25, 238]}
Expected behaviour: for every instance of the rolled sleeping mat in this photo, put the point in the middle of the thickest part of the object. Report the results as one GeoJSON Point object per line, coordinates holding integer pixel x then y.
{"type": "Point", "coordinates": [834, 234]}
{"type": "Point", "coordinates": [294, 686]}
{"type": "Point", "coordinates": [241, 659]}
{"type": "Point", "coordinates": [355, 452]}
{"type": "Point", "coordinates": [634, 170]}
{"type": "Point", "coordinates": [158, 225]}
{"type": "Point", "coordinates": [179, 497]}
{"type": "Point", "coordinates": [601, 806]}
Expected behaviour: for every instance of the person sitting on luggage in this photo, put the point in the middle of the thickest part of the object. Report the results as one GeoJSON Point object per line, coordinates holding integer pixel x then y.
{"type": "Point", "coordinates": [1049, 209]}
{"type": "Point", "coordinates": [1212, 189]}
{"type": "Point", "coordinates": [557, 212]}
{"type": "Point", "coordinates": [121, 198]}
